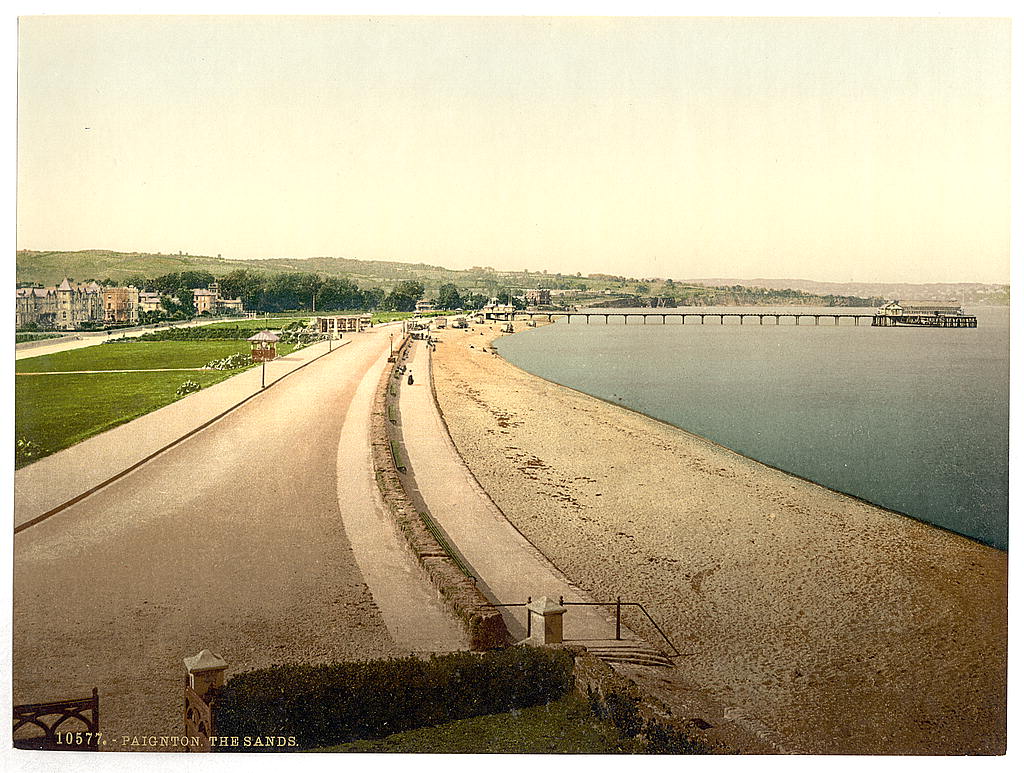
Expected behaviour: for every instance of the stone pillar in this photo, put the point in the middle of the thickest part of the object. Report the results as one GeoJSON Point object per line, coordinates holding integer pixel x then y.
{"type": "Point", "coordinates": [205, 672]}
{"type": "Point", "coordinates": [545, 621]}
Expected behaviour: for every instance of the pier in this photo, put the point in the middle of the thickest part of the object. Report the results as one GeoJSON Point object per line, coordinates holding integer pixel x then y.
{"type": "Point", "coordinates": [663, 317]}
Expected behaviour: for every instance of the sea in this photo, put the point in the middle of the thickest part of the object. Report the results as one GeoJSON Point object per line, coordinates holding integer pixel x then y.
{"type": "Point", "coordinates": [913, 419]}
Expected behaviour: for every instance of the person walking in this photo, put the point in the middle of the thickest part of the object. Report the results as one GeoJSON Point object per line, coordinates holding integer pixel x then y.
{"type": "Point", "coordinates": [410, 378]}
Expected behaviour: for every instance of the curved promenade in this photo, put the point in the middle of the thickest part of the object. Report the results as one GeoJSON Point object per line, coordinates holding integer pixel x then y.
{"type": "Point", "coordinates": [251, 538]}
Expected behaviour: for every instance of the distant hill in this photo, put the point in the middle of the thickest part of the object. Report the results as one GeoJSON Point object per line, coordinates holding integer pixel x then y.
{"type": "Point", "coordinates": [49, 268]}
{"type": "Point", "coordinates": [970, 293]}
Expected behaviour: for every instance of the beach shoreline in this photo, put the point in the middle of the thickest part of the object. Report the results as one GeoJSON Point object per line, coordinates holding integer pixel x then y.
{"type": "Point", "coordinates": [836, 625]}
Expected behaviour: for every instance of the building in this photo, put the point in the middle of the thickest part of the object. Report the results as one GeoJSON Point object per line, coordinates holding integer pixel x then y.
{"type": "Point", "coordinates": [494, 308]}
{"type": "Point", "coordinates": [424, 307]}
{"type": "Point", "coordinates": [76, 307]}
{"type": "Point", "coordinates": [121, 306]}
{"type": "Point", "coordinates": [209, 301]}
{"type": "Point", "coordinates": [918, 308]}
{"type": "Point", "coordinates": [205, 301]}
{"type": "Point", "coordinates": [349, 323]}
{"type": "Point", "coordinates": [539, 297]}
{"type": "Point", "coordinates": [149, 302]}
{"type": "Point", "coordinates": [35, 306]}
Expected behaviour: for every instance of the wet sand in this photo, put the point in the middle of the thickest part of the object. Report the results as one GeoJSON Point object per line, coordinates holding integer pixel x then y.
{"type": "Point", "coordinates": [825, 624]}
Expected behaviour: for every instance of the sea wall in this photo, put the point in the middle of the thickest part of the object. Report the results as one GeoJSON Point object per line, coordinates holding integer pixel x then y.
{"type": "Point", "coordinates": [483, 623]}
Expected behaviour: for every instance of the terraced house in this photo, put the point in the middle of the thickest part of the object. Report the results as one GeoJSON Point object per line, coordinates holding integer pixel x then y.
{"type": "Point", "coordinates": [73, 307]}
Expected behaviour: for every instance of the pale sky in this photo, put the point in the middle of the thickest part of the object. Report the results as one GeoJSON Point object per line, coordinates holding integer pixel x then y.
{"type": "Point", "coordinates": [830, 149]}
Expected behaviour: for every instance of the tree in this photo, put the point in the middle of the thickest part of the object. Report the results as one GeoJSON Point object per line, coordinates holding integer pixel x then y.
{"type": "Point", "coordinates": [448, 297]}
{"type": "Point", "coordinates": [404, 296]}
{"type": "Point", "coordinates": [373, 298]}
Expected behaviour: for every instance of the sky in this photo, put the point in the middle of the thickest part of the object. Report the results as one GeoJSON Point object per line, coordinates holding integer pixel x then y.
{"type": "Point", "coordinates": [833, 149]}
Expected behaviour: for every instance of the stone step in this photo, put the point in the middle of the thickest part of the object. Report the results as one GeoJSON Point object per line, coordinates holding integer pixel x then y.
{"type": "Point", "coordinates": [629, 652]}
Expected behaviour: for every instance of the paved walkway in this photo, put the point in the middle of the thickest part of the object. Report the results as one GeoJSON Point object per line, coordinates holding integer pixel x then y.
{"type": "Point", "coordinates": [57, 478]}
{"type": "Point", "coordinates": [508, 566]}
{"type": "Point", "coordinates": [236, 539]}
{"type": "Point", "coordinates": [415, 618]}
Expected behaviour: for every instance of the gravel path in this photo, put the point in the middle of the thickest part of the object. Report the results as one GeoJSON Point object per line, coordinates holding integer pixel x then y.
{"type": "Point", "coordinates": [825, 624]}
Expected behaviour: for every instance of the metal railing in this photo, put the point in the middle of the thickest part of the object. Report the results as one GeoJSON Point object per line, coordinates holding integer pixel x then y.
{"type": "Point", "coordinates": [442, 539]}
{"type": "Point", "coordinates": [618, 604]}
{"type": "Point", "coordinates": [529, 617]}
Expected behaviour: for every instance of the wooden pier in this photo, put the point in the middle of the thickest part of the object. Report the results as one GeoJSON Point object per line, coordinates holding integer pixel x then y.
{"type": "Point", "coordinates": [664, 316]}
{"type": "Point", "coordinates": [877, 320]}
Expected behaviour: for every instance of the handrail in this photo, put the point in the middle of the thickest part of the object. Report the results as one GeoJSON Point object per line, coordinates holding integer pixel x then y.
{"type": "Point", "coordinates": [442, 540]}
{"type": "Point", "coordinates": [618, 604]}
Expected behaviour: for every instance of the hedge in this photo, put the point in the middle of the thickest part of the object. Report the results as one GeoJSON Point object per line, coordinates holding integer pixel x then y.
{"type": "Point", "coordinates": [326, 705]}
{"type": "Point", "coordinates": [190, 334]}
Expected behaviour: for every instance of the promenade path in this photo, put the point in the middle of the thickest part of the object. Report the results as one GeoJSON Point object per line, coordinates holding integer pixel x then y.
{"type": "Point", "coordinates": [57, 478]}
{"type": "Point", "coordinates": [236, 539]}
{"type": "Point", "coordinates": [508, 567]}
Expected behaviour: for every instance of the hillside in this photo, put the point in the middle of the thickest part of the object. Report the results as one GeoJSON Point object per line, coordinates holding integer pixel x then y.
{"type": "Point", "coordinates": [49, 268]}
{"type": "Point", "coordinates": [970, 293]}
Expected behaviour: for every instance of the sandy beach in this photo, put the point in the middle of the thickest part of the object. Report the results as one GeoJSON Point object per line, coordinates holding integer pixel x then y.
{"type": "Point", "coordinates": [826, 624]}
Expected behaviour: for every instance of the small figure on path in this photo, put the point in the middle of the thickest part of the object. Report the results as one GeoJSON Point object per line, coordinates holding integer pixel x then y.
{"type": "Point", "coordinates": [410, 378]}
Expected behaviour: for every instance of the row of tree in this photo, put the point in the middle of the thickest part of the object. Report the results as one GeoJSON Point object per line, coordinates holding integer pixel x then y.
{"type": "Point", "coordinates": [287, 291]}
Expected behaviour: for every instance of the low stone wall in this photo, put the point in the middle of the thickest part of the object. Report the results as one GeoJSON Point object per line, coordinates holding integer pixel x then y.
{"type": "Point", "coordinates": [597, 681]}
{"type": "Point", "coordinates": [483, 622]}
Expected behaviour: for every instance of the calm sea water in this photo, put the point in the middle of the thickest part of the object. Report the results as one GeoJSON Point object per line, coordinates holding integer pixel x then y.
{"type": "Point", "coordinates": [912, 419]}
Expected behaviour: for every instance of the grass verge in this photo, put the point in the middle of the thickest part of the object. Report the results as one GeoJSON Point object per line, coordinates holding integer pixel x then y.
{"type": "Point", "coordinates": [55, 412]}
{"type": "Point", "coordinates": [133, 356]}
{"type": "Point", "coordinates": [564, 726]}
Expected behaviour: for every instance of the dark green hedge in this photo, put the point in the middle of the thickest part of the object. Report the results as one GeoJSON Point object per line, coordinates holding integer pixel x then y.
{"type": "Point", "coordinates": [331, 704]}
{"type": "Point", "coordinates": [201, 333]}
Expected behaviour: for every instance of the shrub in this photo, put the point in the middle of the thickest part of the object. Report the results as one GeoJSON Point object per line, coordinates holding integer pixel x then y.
{"type": "Point", "coordinates": [188, 388]}
{"type": "Point", "coordinates": [666, 740]}
{"type": "Point", "coordinates": [26, 450]}
{"type": "Point", "coordinates": [323, 705]}
{"type": "Point", "coordinates": [652, 737]}
{"type": "Point", "coordinates": [239, 360]}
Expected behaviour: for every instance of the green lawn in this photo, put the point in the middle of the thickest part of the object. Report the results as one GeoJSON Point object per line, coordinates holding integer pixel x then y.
{"type": "Point", "coordinates": [55, 412]}
{"type": "Point", "coordinates": [565, 726]}
{"type": "Point", "coordinates": [139, 355]}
